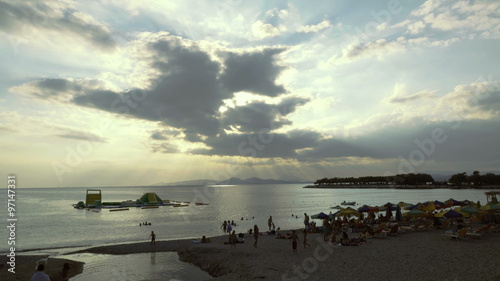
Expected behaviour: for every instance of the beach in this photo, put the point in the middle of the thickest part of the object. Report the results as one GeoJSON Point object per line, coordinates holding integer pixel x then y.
{"type": "Point", "coordinates": [422, 255]}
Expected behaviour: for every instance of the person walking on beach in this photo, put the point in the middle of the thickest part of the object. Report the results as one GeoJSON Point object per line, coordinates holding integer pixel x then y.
{"type": "Point", "coordinates": [153, 238]}
{"type": "Point", "coordinates": [306, 220]}
{"type": "Point", "coordinates": [255, 235]}
{"type": "Point", "coordinates": [304, 231]}
{"type": "Point", "coordinates": [270, 222]}
{"type": "Point", "coordinates": [294, 239]}
{"type": "Point", "coordinates": [39, 275]}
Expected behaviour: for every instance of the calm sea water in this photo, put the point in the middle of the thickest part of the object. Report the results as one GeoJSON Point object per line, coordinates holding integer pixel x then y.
{"type": "Point", "coordinates": [46, 218]}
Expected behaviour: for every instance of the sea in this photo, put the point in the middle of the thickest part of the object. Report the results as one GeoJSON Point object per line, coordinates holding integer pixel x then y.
{"type": "Point", "coordinates": [47, 222]}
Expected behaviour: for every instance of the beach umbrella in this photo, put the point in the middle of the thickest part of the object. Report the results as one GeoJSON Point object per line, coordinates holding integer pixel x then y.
{"type": "Point", "coordinates": [452, 202]}
{"type": "Point", "coordinates": [404, 205]}
{"type": "Point", "coordinates": [319, 216]}
{"type": "Point", "coordinates": [490, 207]}
{"type": "Point", "coordinates": [366, 208]}
{"type": "Point", "coordinates": [417, 213]}
{"type": "Point", "coordinates": [415, 207]}
{"type": "Point", "coordinates": [439, 204]}
{"type": "Point", "coordinates": [449, 214]}
{"type": "Point", "coordinates": [399, 217]}
{"type": "Point", "coordinates": [348, 212]}
{"type": "Point", "coordinates": [428, 207]}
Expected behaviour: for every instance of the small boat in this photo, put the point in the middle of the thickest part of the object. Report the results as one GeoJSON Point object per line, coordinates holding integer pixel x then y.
{"type": "Point", "coordinates": [348, 203]}
{"type": "Point", "coordinates": [197, 203]}
{"type": "Point", "coordinates": [180, 205]}
{"type": "Point", "coordinates": [149, 207]}
{"type": "Point", "coordinates": [118, 209]}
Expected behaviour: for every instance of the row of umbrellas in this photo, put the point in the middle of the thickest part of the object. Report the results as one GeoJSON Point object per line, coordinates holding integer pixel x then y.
{"type": "Point", "coordinates": [416, 210]}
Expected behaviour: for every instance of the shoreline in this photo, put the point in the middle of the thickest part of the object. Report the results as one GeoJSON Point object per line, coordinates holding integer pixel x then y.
{"type": "Point", "coordinates": [422, 255]}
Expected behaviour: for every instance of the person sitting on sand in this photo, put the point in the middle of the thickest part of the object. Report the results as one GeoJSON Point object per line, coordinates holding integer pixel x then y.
{"type": "Point", "coordinates": [65, 272]}
{"type": "Point", "coordinates": [204, 239]}
{"type": "Point", "coordinates": [39, 275]}
{"type": "Point", "coordinates": [294, 239]}
{"type": "Point", "coordinates": [345, 241]}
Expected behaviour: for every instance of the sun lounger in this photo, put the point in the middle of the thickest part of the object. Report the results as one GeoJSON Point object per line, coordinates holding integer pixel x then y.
{"type": "Point", "coordinates": [460, 236]}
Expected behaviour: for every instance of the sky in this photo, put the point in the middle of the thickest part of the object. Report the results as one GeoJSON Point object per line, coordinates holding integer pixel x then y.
{"type": "Point", "coordinates": [123, 93]}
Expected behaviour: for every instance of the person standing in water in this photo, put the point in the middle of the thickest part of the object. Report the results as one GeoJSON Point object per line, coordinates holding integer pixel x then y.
{"type": "Point", "coordinates": [270, 222]}
{"type": "Point", "coordinates": [255, 235]}
{"type": "Point", "coordinates": [153, 238]}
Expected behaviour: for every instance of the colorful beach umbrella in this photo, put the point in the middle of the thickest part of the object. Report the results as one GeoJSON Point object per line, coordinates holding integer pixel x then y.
{"type": "Point", "coordinates": [428, 207]}
{"type": "Point", "coordinates": [417, 213]}
{"type": "Point", "coordinates": [348, 212]}
{"type": "Point", "coordinates": [366, 208]}
{"type": "Point", "coordinates": [449, 214]}
{"type": "Point", "coordinates": [319, 216]}
{"type": "Point", "coordinates": [490, 207]}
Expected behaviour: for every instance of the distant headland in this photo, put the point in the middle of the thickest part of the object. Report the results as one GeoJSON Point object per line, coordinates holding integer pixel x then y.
{"type": "Point", "coordinates": [413, 181]}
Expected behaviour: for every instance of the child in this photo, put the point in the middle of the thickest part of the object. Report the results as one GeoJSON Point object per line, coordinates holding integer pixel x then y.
{"type": "Point", "coordinates": [294, 239]}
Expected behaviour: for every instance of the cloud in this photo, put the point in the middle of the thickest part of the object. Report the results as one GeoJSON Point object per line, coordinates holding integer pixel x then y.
{"type": "Point", "coordinates": [400, 95]}
{"type": "Point", "coordinates": [80, 135]}
{"type": "Point", "coordinates": [258, 116]}
{"type": "Point", "coordinates": [314, 28]}
{"type": "Point", "coordinates": [25, 19]}
{"type": "Point", "coordinates": [263, 30]}
{"type": "Point", "coordinates": [261, 145]}
{"type": "Point", "coordinates": [254, 72]}
{"type": "Point", "coordinates": [188, 89]}
{"type": "Point", "coordinates": [463, 17]}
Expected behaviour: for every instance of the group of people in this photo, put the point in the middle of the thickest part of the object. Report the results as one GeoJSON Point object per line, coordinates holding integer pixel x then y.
{"type": "Point", "coordinates": [332, 228]}
{"type": "Point", "coordinates": [145, 223]}
{"type": "Point", "coordinates": [40, 275]}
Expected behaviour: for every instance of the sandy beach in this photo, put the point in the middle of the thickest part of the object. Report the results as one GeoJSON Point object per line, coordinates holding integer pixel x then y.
{"type": "Point", "coordinates": [423, 255]}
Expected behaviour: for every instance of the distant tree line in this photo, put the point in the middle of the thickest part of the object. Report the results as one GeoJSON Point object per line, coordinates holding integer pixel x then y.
{"type": "Point", "coordinates": [460, 179]}
{"type": "Point", "coordinates": [401, 179]}
{"type": "Point", "coordinates": [474, 179]}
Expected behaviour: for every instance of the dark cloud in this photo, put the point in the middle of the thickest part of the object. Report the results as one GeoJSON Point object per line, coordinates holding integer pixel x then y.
{"type": "Point", "coordinates": [261, 145]}
{"type": "Point", "coordinates": [256, 116]}
{"type": "Point", "coordinates": [188, 91]}
{"type": "Point", "coordinates": [253, 72]}
{"type": "Point", "coordinates": [465, 140]}
{"type": "Point", "coordinates": [23, 18]}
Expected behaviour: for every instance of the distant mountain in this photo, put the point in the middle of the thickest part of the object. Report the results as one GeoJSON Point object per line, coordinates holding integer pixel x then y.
{"type": "Point", "coordinates": [231, 181]}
